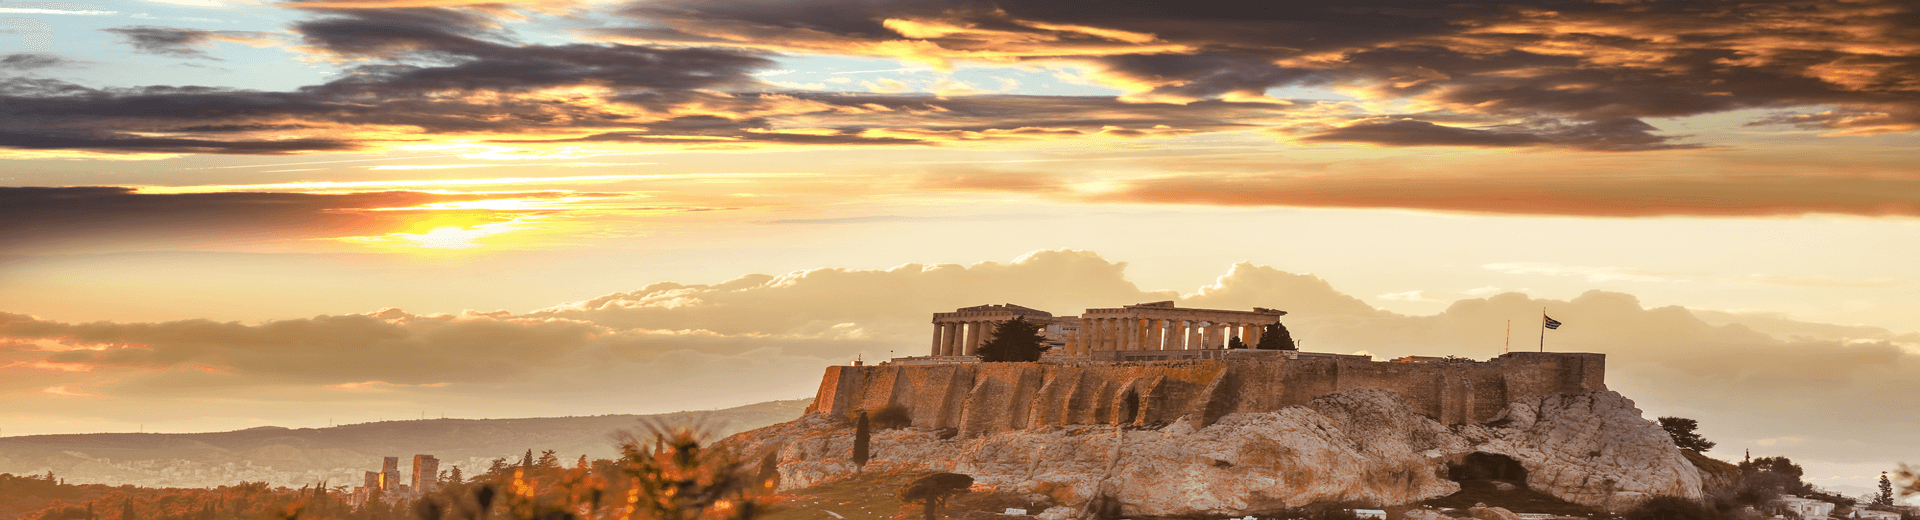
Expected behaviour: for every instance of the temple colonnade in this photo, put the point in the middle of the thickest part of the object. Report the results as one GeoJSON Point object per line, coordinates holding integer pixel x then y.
{"type": "Point", "coordinates": [1146, 326]}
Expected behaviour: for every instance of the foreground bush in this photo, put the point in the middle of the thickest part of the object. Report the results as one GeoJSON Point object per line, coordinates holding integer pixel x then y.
{"type": "Point", "coordinates": [1672, 508]}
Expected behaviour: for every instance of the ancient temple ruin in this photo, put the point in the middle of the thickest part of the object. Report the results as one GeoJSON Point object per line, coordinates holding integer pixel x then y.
{"type": "Point", "coordinates": [1157, 326]}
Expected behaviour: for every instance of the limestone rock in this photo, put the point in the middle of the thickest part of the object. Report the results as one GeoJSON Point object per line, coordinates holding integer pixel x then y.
{"type": "Point", "coordinates": [1492, 513]}
{"type": "Point", "coordinates": [1422, 514]}
{"type": "Point", "coordinates": [1360, 446]}
{"type": "Point", "coordinates": [1058, 513]}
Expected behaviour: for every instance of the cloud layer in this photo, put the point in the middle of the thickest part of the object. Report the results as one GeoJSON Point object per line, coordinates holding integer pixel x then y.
{"type": "Point", "coordinates": [1543, 73]}
{"type": "Point", "coordinates": [1747, 378]}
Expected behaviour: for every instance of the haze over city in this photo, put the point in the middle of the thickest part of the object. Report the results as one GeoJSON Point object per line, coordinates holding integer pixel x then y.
{"type": "Point", "coordinates": [223, 214]}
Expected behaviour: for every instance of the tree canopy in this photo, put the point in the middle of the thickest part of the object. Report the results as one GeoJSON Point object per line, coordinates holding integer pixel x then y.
{"type": "Point", "coordinates": [1275, 337]}
{"type": "Point", "coordinates": [1015, 340]}
{"type": "Point", "coordinates": [1681, 429]}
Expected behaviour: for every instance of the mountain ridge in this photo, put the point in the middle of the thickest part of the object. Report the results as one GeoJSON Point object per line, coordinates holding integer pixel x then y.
{"type": "Point", "coordinates": [340, 454]}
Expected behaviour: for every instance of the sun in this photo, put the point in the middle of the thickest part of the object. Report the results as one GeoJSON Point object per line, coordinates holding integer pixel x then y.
{"type": "Point", "coordinates": [449, 237]}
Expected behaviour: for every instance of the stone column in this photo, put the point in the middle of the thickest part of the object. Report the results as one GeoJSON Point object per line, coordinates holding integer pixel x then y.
{"type": "Point", "coordinates": [1135, 329]}
{"type": "Point", "coordinates": [1093, 334]}
{"type": "Point", "coordinates": [1154, 327]}
{"type": "Point", "coordinates": [986, 334]}
{"type": "Point", "coordinates": [972, 338]}
{"type": "Point", "coordinates": [1254, 331]}
{"type": "Point", "coordinates": [1220, 340]}
{"type": "Point", "coordinates": [939, 338]}
{"type": "Point", "coordinates": [1109, 338]}
{"type": "Point", "coordinates": [950, 342]}
{"type": "Point", "coordinates": [967, 331]}
{"type": "Point", "coordinates": [1194, 331]}
{"type": "Point", "coordinates": [1083, 339]}
{"type": "Point", "coordinates": [1176, 334]}
{"type": "Point", "coordinates": [939, 335]}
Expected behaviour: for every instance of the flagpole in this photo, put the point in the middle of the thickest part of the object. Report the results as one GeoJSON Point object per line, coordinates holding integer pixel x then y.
{"type": "Point", "coordinates": [1543, 329]}
{"type": "Point", "coordinates": [1509, 346]}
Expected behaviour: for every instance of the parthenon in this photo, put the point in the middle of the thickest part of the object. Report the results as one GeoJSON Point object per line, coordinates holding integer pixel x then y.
{"type": "Point", "coordinates": [1144, 326]}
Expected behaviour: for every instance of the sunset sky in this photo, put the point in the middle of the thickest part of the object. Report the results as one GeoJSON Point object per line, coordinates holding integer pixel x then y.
{"type": "Point", "coordinates": [221, 214]}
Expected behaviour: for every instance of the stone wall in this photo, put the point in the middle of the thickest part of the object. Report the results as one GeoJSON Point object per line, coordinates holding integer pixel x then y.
{"type": "Point", "coordinates": [982, 398]}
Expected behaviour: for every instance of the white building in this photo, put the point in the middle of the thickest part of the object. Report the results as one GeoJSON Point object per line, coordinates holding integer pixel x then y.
{"type": "Point", "coordinates": [1807, 508]}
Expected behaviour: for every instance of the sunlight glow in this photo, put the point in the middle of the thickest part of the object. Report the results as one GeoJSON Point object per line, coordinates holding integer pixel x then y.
{"type": "Point", "coordinates": [421, 183]}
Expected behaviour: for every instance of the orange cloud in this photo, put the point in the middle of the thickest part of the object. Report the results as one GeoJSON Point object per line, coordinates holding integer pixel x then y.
{"type": "Point", "coordinates": [67, 391]}
{"type": "Point", "coordinates": [380, 386]}
{"type": "Point", "coordinates": [1574, 195]}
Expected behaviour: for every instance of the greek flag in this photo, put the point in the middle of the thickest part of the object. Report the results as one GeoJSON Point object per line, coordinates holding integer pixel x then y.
{"type": "Point", "coordinates": [1551, 323]}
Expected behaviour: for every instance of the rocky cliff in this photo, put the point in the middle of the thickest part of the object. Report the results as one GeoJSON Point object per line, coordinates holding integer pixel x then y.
{"type": "Point", "coordinates": [982, 398]}
{"type": "Point", "coordinates": [1366, 446]}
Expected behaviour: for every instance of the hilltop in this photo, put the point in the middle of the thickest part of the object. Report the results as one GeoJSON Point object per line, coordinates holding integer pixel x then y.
{"type": "Point", "coordinates": [339, 454]}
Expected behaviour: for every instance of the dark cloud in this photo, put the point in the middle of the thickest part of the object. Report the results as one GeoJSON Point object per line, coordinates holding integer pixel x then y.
{"type": "Point", "coordinates": [32, 61]}
{"type": "Point", "coordinates": [1543, 73]}
{"type": "Point", "coordinates": [1589, 62]}
{"type": "Point", "coordinates": [1209, 75]}
{"type": "Point", "coordinates": [394, 33]}
{"type": "Point", "coordinates": [117, 143]}
{"type": "Point", "coordinates": [63, 219]}
{"type": "Point", "coordinates": [1619, 135]}
{"type": "Point", "coordinates": [180, 43]}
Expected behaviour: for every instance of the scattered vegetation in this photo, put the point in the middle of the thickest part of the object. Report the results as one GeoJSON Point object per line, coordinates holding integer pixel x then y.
{"type": "Point", "coordinates": [1673, 508]}
{"type": "Point", "coordinates": [933, 490]}
{"type": "Point", "coordinates": [667, 475]}
{"type": "Point", "coordinates": [892, 417]}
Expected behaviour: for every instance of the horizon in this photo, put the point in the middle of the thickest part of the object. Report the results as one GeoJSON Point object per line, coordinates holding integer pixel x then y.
{"type": "Point", "coordinates": [222, 214]}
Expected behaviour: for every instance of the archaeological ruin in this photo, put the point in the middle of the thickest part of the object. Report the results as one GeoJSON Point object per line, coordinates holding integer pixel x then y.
{"type": "Point", "coordinates": [1154, 363]}
{"type": "Point", "coordinates": [1147, 326]}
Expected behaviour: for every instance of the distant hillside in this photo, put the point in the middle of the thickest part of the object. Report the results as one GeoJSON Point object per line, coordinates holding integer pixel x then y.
{"type": "Point", "coordinates": [339, 455]}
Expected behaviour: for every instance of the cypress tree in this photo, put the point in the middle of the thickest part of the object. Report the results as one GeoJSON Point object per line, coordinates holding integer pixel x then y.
{"type": "Point", "coordinates": [862, 434]}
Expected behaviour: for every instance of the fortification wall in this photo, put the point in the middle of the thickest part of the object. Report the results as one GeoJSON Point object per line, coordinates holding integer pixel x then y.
{"type": "Point", "coordinates": [980, 398]}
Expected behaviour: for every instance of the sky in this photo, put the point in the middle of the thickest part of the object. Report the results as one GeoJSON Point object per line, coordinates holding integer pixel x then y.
{"type": "Point", "coordinates": [219, 214]}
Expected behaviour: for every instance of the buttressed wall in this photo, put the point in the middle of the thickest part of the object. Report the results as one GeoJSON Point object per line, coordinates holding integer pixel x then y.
{"type": "Point", "coordinates": [982, 398]}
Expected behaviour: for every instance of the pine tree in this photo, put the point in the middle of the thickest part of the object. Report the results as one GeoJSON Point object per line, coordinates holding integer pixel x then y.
{"type": "Point", "coordinates": [1275, 337]}
{"type": "Point", "coordinates": [526, 461]}
{"type": "Point", "coordinates": [1885, 498]}
{"type": "Point", "coordinates": [548, 460]}
{"type": "Point", "coordinates": [1235, 342]}
{"type": "Point", "coordinates": [1015, 340]}
{"type": "Point", "coordinates": [1681, 429]}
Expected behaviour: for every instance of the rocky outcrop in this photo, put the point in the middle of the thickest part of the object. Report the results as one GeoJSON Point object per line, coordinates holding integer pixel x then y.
{"type": "Point", "coordinates": [1361, 446]}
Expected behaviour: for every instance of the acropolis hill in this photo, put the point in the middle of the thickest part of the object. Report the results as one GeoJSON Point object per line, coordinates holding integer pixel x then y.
{"type": "Point", "coordinates": [1161, 380]}
{"type": "Point", "coordinates": [1141, 406]}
